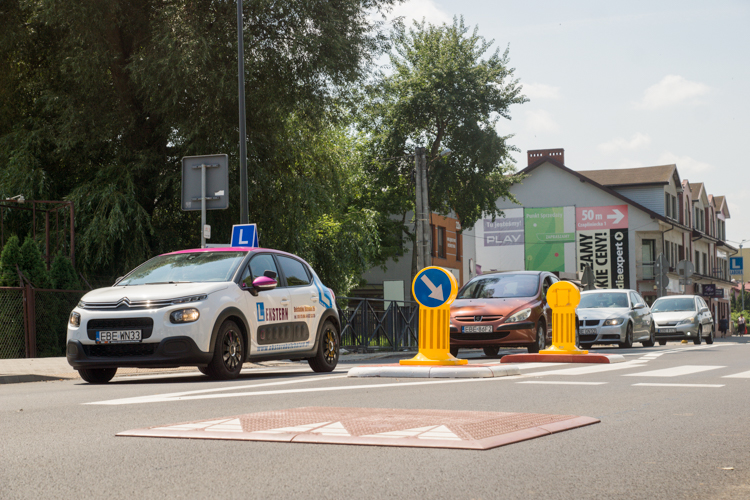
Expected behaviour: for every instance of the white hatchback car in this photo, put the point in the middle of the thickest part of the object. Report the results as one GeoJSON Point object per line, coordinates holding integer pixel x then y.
{"type": "Point", "coordinates": [211, 308]}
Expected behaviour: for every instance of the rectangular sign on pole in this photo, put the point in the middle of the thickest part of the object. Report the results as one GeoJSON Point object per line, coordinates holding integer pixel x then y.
{"type": "Point", "coordinates": [217, 182]}
{"type": "Point", "coordinates": [735, 265]}
{"type": "Point", "coordinates": [245, 235]}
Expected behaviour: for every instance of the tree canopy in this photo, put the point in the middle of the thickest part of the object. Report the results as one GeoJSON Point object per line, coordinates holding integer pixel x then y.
{"type": "Point", "coordinates": [100, 99]}
{"type": "Point", "coordinates": [444, 92]}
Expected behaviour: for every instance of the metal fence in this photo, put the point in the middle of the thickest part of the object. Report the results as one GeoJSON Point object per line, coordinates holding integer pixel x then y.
{"type": "Point", "coordinates": [376, 324]}
{"type": "Point", "coordinates": [34, 322]}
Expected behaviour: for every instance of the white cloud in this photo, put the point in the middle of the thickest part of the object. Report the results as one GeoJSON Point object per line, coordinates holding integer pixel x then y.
{"type": "Point", "coordinates": [673, 89]}
{"type": "Point", "coordinates": [540, 91]}
{"type": "Point", "coordinates": [540, 121]}
{"type": "Point", "coordinates": [619, 144]}
{"type": "Point", "coordinates": [418, 9]}
{"type": "Point", "coordinates": [688, 167]}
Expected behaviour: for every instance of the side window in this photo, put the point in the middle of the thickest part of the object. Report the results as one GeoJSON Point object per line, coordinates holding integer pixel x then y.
{"type": "Point", "coordinates": [258, 267]}
{"type": "Point", "coordinates": [295, 272]}
{"type": "Point", "coordinates": [545, 286]}
{"type": "Point", "coordinates": [634, 299]}
{"type": "Point", "coordinates": [640, 299]}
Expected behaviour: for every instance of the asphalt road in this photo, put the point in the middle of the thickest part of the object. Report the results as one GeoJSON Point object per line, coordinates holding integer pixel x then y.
{"type": "Point", "coordinates": [681, 435]}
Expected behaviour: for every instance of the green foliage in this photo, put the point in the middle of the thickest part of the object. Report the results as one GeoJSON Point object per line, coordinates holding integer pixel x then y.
{"type": "Point", "coordinates": [62, 274]}
{"type": "Point", "coordinates": [9, 259]}
{"type": "Point", "coordinates": [445, 91]}
{"type": "Point", "coordinates": [33, 265]}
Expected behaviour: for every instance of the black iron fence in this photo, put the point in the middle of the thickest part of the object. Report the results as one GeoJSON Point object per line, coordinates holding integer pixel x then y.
{"type": "Point", "coordinates": [34, 322]}
{"type": "Point", "coordinates": [375, 324]}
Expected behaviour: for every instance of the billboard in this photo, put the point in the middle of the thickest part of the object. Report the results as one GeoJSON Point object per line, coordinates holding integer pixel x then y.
{"type": "Point", "coordinates": [549, 235]}
{"type": "Point", "coordinates": [500, 242]}
{"type": "Point", "coordinates": [602, 242]}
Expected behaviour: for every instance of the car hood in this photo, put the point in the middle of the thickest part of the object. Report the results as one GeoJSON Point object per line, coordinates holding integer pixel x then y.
{"type": "Point", "coordinates": [501, 307]}
{"type": "Point", "coordinates": [673, 316]}
{"type": "Point", "coordinates": [603, 312]}
{"type": "Point", "coordinates": [137, 293]}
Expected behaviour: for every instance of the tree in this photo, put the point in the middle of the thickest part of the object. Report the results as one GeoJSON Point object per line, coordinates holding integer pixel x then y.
{"type": "Point", "coordinates": [9, 259]}
{"type": "Point", "coordinates": [100, 99]}
{"type": "Point", "coordinates": [32, 263]}
{"type": "Point", "coordinates": [443, 92]}
{"type": "Point", "coordinates": [63, 275]}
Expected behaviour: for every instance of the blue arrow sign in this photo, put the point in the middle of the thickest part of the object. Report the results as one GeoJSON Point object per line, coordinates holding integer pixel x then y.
{"type": "Point", "coordinates": [245, 235]}
{"type": "Point", "coordinates": [735, 265]}
{"type": "Point", "coordinates": [432, 287]}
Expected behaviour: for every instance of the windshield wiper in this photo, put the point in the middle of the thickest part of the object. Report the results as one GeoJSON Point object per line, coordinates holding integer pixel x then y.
{"type": "Point", "coordinates": [166, 282]}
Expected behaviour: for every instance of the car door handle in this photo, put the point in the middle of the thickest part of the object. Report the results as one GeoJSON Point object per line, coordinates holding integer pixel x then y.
{"type": "Point", "coordinates": [284, 301]}
{"type": "Point", "coordinates": [314, 298]}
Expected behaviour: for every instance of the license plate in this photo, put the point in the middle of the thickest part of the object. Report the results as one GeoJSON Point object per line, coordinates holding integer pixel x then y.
{"type": "Point", "coordinates": [588, 331]}
{"type": "Point", "coordinates": [118, 336]}
{"type": "Point", "coordinates": [476, 329]}
{"type": "Point", "coordinates": [667, 330]}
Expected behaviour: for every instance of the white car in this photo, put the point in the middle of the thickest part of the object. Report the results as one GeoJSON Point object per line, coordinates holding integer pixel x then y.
{"type": "Point", "coordinates": [212, 308]}
{"type": "Point", "coordinates": [614, 317]}
{"type": "Point", "coordinates": [683, 317]}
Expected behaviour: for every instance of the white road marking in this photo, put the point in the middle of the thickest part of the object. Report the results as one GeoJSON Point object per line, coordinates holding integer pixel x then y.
{"type": "Point", "coordinates": [529, 366]}
{"type": "Point", "coordinates": [598, 368]}
{"type": "Point", "coordinates": [677, 385]}
{"type": "Point", "coordinates": [674, 371]}
{"type": "Point", "coordinates": [559, 382]}
{"type": "Point", "coordinates": [738, 375]}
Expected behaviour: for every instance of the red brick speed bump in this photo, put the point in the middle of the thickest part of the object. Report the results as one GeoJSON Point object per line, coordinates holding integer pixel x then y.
{"type": "Point", "coordinates": [562, 358]}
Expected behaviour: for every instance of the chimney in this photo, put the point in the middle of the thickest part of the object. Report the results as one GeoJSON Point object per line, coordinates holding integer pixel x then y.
{"type": "Point", "coordinates": [555, 154]}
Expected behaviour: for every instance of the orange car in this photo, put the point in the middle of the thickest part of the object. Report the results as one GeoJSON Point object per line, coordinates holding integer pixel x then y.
{"type": "Point", "coordinates": [506, 309]}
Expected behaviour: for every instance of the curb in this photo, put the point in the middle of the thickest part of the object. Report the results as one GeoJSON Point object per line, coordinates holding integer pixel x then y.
{"type": "Point", "coordinates": [562, 358]}
{"type": "Point", "coordinates": [409, 371]}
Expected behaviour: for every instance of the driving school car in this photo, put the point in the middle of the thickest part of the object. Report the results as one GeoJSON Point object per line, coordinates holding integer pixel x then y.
{"type": "Point", "coordinates": [210, 308]}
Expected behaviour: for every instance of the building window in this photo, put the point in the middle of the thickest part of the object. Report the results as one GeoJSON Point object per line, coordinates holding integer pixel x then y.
{"type": "Point", "coordinates": [704, 266]}
{"type": "Point", "coordinates": [647, 256]}
{"type": "Point", "coordinates": [697, 262]}
{"type": "Point", "coordinates": [441, 242]}
{"type": "Point", "coordinates": [667, 205]}
{"type": "Point", "coordinates": [459, 241]}
{"type": "Point", "coordinates": [674, 208]}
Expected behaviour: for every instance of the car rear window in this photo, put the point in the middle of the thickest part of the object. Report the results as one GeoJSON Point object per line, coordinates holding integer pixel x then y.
{"type": "Point", "coordinates": [499, 286]}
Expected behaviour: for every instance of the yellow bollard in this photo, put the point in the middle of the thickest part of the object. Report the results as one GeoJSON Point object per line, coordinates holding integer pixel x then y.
{"type": "Point", "coordinates": [563, 297]}
{"type": "Point", "coordinates": [435, 289]}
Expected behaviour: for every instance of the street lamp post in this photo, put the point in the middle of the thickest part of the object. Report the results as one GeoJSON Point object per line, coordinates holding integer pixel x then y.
{"type": "Point", "coordinates": [243, 134]}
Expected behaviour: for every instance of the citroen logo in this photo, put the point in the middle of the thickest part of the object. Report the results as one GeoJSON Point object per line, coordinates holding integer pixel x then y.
{"type": "Point", "coordinates": [477, 319]}
{"type": "Point", "coordinates": [123, 300]}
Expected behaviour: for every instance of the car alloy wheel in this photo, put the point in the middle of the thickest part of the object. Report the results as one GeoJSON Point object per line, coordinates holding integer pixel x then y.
{"type": "Point", "coordinates": [232, 350]}
{"type": "Point", "coordinates": [628, 337]}
{"type": "Point", "coordinates": [651, 337]}
{"type": "Point", "coordinates": [710, 338]}
{"type": "Point", "coordinates": [698, 336]}
{"type": "Point", "coordinates": [327, 356]}
{"type": "Point", "coordinates": [229, 353]}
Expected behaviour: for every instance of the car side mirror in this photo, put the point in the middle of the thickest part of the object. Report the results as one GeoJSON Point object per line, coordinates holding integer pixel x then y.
{"type": "Point", "coordinates": [638, 306]}
{"type": "Point", "coordinates": [264, 283]}
{"type": "Point", "coordinates": [704, 309]}
{"type": "Point", "coordinates": [270, 274]}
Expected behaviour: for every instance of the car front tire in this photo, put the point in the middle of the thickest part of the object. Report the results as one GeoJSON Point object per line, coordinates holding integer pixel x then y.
{"type": "Point", "coordinates": [651, 338]}
{"type": "Point", "coordinates": [229, 353]}
{"type": "Point", "coordinates": [97, 375]}
{"type": "Point", "coordinates": [699, 337]}
{"type": "Point", "coordinates": [491, 351]}
{"type": "Point", "coordinates": [541, 339]}
{"type": "Point", "coordinates": [628, 338]}
{"type": "Point", "coordinates": [710, 338]}
{"type": "Point", "coordinates": [328, 350]}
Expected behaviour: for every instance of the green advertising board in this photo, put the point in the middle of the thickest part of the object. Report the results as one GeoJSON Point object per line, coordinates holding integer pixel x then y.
{"type": "Point", "coordinates": [546, 238]}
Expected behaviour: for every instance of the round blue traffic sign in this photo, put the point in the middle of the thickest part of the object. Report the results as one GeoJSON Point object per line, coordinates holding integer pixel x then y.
{"type": "Point", "coordinates": [434, 287]}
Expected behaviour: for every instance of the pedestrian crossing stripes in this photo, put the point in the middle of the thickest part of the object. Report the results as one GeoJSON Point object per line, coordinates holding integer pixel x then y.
{"type": "Point", "coordinates": [560, 382]}
{"type": "Point", "coordinates": [675, 371]}
{"type": "Point", "coordinates": [646, 384]}
{"type": "Point", "coordinates": [738, 375]}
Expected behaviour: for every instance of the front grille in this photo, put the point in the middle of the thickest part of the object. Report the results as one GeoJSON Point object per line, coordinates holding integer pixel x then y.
{"type": "Point", "coordinates": [471, 319]}
{"type": "Point", "coordinates": [146, 325]}
{"type": "Point", "coordinates": [480, 336]}
{"type": "Point", "coordinates": [670, 323]}
{"type": "Point", "coordinates": [588, 322]}
{"type": "Point", "coordinates": [119, 350]}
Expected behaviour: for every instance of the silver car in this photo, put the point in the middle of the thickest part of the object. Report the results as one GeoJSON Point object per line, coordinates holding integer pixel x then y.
{"type": "Point", "coordinates": [683, 317]}
{"type": "Point", "coordinates": [614, 317]}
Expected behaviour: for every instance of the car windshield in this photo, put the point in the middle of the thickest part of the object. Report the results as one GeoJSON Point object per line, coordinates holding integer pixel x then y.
{"type": "Point", "coordinates": [185, 268]}
{"type": "Point", "coordinates": [603, 300]}
{"type": "Point", "coordinates": [500, 286]}
{"type": "Point", "coordinates": [673, 305]}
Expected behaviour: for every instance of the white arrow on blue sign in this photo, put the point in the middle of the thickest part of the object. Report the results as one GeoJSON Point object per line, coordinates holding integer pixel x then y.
{"type": "Point", "coordinates": [432, 287]}
{"type": "Point", "coordinates": [245, 235]}
{"type": "Point", "coordinates": [735, 265]}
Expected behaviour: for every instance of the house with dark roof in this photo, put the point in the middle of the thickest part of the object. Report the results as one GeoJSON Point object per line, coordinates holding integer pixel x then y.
{"type": "Point", "coordinates": [616, 220]}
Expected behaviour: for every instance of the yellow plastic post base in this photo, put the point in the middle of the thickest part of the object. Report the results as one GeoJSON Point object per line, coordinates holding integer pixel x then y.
{"type": "Point", "coordinates": [561, 350]}
{"type": "Point", "coordinates": [684, 342]}
{"type": "Point", "coordinates": [435, 358]}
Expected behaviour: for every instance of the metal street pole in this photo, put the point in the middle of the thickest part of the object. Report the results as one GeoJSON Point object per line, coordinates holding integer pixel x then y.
{"type": "Point", "coordinates": [742, 290]}
{"type": "Point", "coordinates": [422, 209]}
{"type": "Point", "coordinates": [418, 210]}
{"type": "Point", "coordinates": [243, 134]}
{"type": "Point", "coordinates": [427, 241]}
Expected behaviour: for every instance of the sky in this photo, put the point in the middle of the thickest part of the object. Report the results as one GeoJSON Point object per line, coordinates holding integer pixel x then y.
{"type": "Point", "coordinates": [626, 84]}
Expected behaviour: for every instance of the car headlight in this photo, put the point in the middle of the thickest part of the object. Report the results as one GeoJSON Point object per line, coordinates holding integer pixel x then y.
{"type": "Point", "coordinates": [614, 321]}
{"type": "Point", "coordinates": [520, 316]}
{"type": "Point", "coordinates": [75, 319]}
{"type": "Point", "coordinates": [184, 316]}
{"type": "Point", "coordinates": [687, 321]}
{"type": "Point", "coordinates": [194, 298]}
